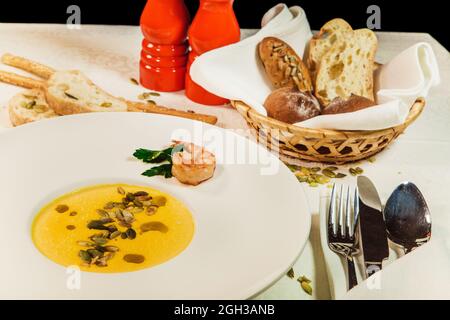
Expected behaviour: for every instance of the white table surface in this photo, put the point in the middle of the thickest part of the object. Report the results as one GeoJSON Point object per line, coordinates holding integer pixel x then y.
{"type": "Point", "coordinates": [421, 155]}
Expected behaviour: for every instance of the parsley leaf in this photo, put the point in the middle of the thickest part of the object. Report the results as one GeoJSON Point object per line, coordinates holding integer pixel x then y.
{"type": "Point", "coordinates": [157, 156]}
{"type": "Point", "coordinates": [162, 170]}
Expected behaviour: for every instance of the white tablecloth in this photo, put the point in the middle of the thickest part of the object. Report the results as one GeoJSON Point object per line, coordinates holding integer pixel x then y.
{"type": "Point", "coordinates": [421, 155]}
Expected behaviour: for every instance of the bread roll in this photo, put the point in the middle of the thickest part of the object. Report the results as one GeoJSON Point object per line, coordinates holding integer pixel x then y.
{"type": "Point", "coordinates": [354, 103]}
{"type": "Point", "coordinates": [283, 66]}
{"type": "Point", "coordinates": [291, 105]}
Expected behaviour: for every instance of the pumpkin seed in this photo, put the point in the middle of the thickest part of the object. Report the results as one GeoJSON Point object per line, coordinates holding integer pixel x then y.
{"type": "Point", "coordinates": [303, 279]}
{"type": "Point", "coordinates": [111, 249]}
{"type": "Point", "coordinates": [40, 108]}
{"type": "Point", "coordinates": [101, 262]}
{"type": "Point", "coordinates": [109, 255]}
{"type": "Point", "coordinates": [100, 240]}
{"type": "Point", "coordinates": [154, 226]}
{"type": "Point", "coordinates": [70, 227]}
{"type": "Point", "coordinates": [332, 168]}
{"type": "Point", "coordinates": [138, 203]}
{"type": "Point", "coordinates": [94, 253]}
{"type": "Point", "coordinates": [340, 175]}
{"type": "Point", "coordinates": [128, 217]}
{"type": "Point", "coordinates": [328, 173]}
{"type": "Point", "coordinates": [115, 234]}
{"type": "Point", "coordinates": [121, 190]}
{"type": "Point", "coordinates": [85, 244]}
{"type": "Point", "coordinates": [73, 213]}
{"type": "Point", "coordinates": [372, 160]}
{"type": "Point", "coordinates": [109, 206]}
{"type": "Point", "coordinates": [70, 96]}
{"type": "Point", "coordinates": [28, 105]}
{"type": "Point", "coordinates": [315, 169]}
{"type": "Point", "coordinates": [306, 287]}
{"type": "Point", "coordinates": [103, 213]}
{"type": "Point", "coordinates": [131, 234]}
{"type": "Point", "coordinates": [124, 235]}
{"type": "Point", "coordinates": [85, 256]}
{"type": "Point", "coordinates": [62, 208]}
{"type": "Point", "coordinates": [356, 171]}
{"type": "Point", "coordinates": [140, 194]}
{"type": "Point", "coordinates": [322, 179]}
{"type": "Point", "coordinates": [291, 273]}
{"type": "Point", "coordinates": [159, 201]}
{"type": "Point", "coordinates": [129, 197]}
{"type": "Point", "coordinates": [134, 258]}
{"type": "Point", "coordinates": [106, 105]}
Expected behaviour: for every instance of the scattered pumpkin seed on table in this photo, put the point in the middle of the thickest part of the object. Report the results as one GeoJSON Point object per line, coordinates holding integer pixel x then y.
{"type": "Point", "coordinates": [291, 273]}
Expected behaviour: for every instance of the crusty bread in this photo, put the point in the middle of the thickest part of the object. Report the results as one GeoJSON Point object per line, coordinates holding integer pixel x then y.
{"type": "Point", "coordinates": [29, 106]}
{"type": "Point", "coordinates": [291, 105]}
{"type": "Point", "coordinates": [70, 92]}
{"type": "Point", "coordinates": [352, 104]}
{"type": "Point", "coordinates": [348, 68]}
{"type": "Point", "coordinates": [283, 66]}
{"type": "Point", "coordinates": [322, 41]}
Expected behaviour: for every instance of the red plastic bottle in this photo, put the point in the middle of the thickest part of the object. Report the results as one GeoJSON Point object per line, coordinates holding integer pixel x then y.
{"type": "Point", "coordinates": [214, 26]}
{"type": "Point", "coordinates": [164, 24]}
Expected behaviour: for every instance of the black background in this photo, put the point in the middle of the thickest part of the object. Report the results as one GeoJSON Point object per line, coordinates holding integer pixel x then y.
{"type": "Point", "coordinates": [425, 16]}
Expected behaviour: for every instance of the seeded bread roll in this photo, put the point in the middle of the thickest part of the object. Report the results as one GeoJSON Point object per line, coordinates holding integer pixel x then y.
{"type": "Point", "coordinates": [283, 66]}
{"type": "Point", "coordinates": [291, 105]}
{"type": "Point", "coordinates": [29, 106]}
{"type": "Point", "coordinates": [352, 104]}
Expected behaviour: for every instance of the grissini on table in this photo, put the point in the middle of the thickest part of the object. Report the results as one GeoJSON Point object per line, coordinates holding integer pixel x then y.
{"type": "Point", "coordinates": [83, 96]}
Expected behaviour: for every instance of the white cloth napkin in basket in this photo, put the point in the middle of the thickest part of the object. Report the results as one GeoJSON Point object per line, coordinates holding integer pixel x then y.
{"type": "Point", "coordinates": [235, 72]}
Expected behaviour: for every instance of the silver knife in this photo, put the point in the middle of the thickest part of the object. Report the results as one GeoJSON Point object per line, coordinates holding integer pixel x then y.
{"type": "Point", "coordinates": [374, 240]}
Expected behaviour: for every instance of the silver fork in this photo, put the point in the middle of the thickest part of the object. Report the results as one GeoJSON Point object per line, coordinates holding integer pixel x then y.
{"type": "Point", "coordinates": [342, 222]}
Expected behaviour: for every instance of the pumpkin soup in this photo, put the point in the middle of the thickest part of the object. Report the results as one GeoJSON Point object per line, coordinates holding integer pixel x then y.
{"type": "Point", "coordinates": [113, 228]}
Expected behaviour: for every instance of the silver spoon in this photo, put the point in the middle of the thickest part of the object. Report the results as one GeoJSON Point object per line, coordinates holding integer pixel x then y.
{"type": "Point", "coordinates": [408, 220]}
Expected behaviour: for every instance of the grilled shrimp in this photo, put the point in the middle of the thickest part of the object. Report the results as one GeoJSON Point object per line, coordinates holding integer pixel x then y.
{"type": "Point", "coordinates": [193, 165]}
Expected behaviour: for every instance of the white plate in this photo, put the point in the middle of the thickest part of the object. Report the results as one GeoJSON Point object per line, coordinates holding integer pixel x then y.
{"type": "Point", "coordinates": [250, 227]}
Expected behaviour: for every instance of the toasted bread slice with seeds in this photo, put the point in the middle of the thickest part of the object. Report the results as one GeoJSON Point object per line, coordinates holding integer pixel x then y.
{"type": "Point", "coordinates": [29, 106]}
{"type": "Point", "coordinates": [348, 68]}
{"type": "Point", "coordinates": [70, 92]}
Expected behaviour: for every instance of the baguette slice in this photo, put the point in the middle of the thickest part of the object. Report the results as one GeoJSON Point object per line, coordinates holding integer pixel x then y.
{"type": "Point", "coordinates": [29, 106]}
{"type": "Point", "coordinates": [70, 92]}
{"type": "Point", "coordinates": [348, 68]}
{"type": "Point", "coordinates": [332, 31]}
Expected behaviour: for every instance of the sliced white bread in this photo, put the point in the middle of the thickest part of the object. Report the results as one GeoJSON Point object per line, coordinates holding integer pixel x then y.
{"type": "Point", "coordinates": [70, 92]}
{"type": "Point", "coordinates": [347, 68]}
{"type": "Point", "coordinates": [29, 106]}
{"type": "Point", "coordinates": [322, 41]}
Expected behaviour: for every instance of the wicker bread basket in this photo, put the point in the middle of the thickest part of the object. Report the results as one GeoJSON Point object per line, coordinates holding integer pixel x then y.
{"type": "Point", "coordinates": [321, 145]}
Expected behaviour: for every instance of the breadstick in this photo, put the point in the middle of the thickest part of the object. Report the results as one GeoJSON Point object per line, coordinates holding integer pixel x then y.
{"type": "Point", "coordinates": [33, 67]}
{"type": "Point", "coordinates": [152, 108]}
{"type": "Point", "coordinates": [21, 81]}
